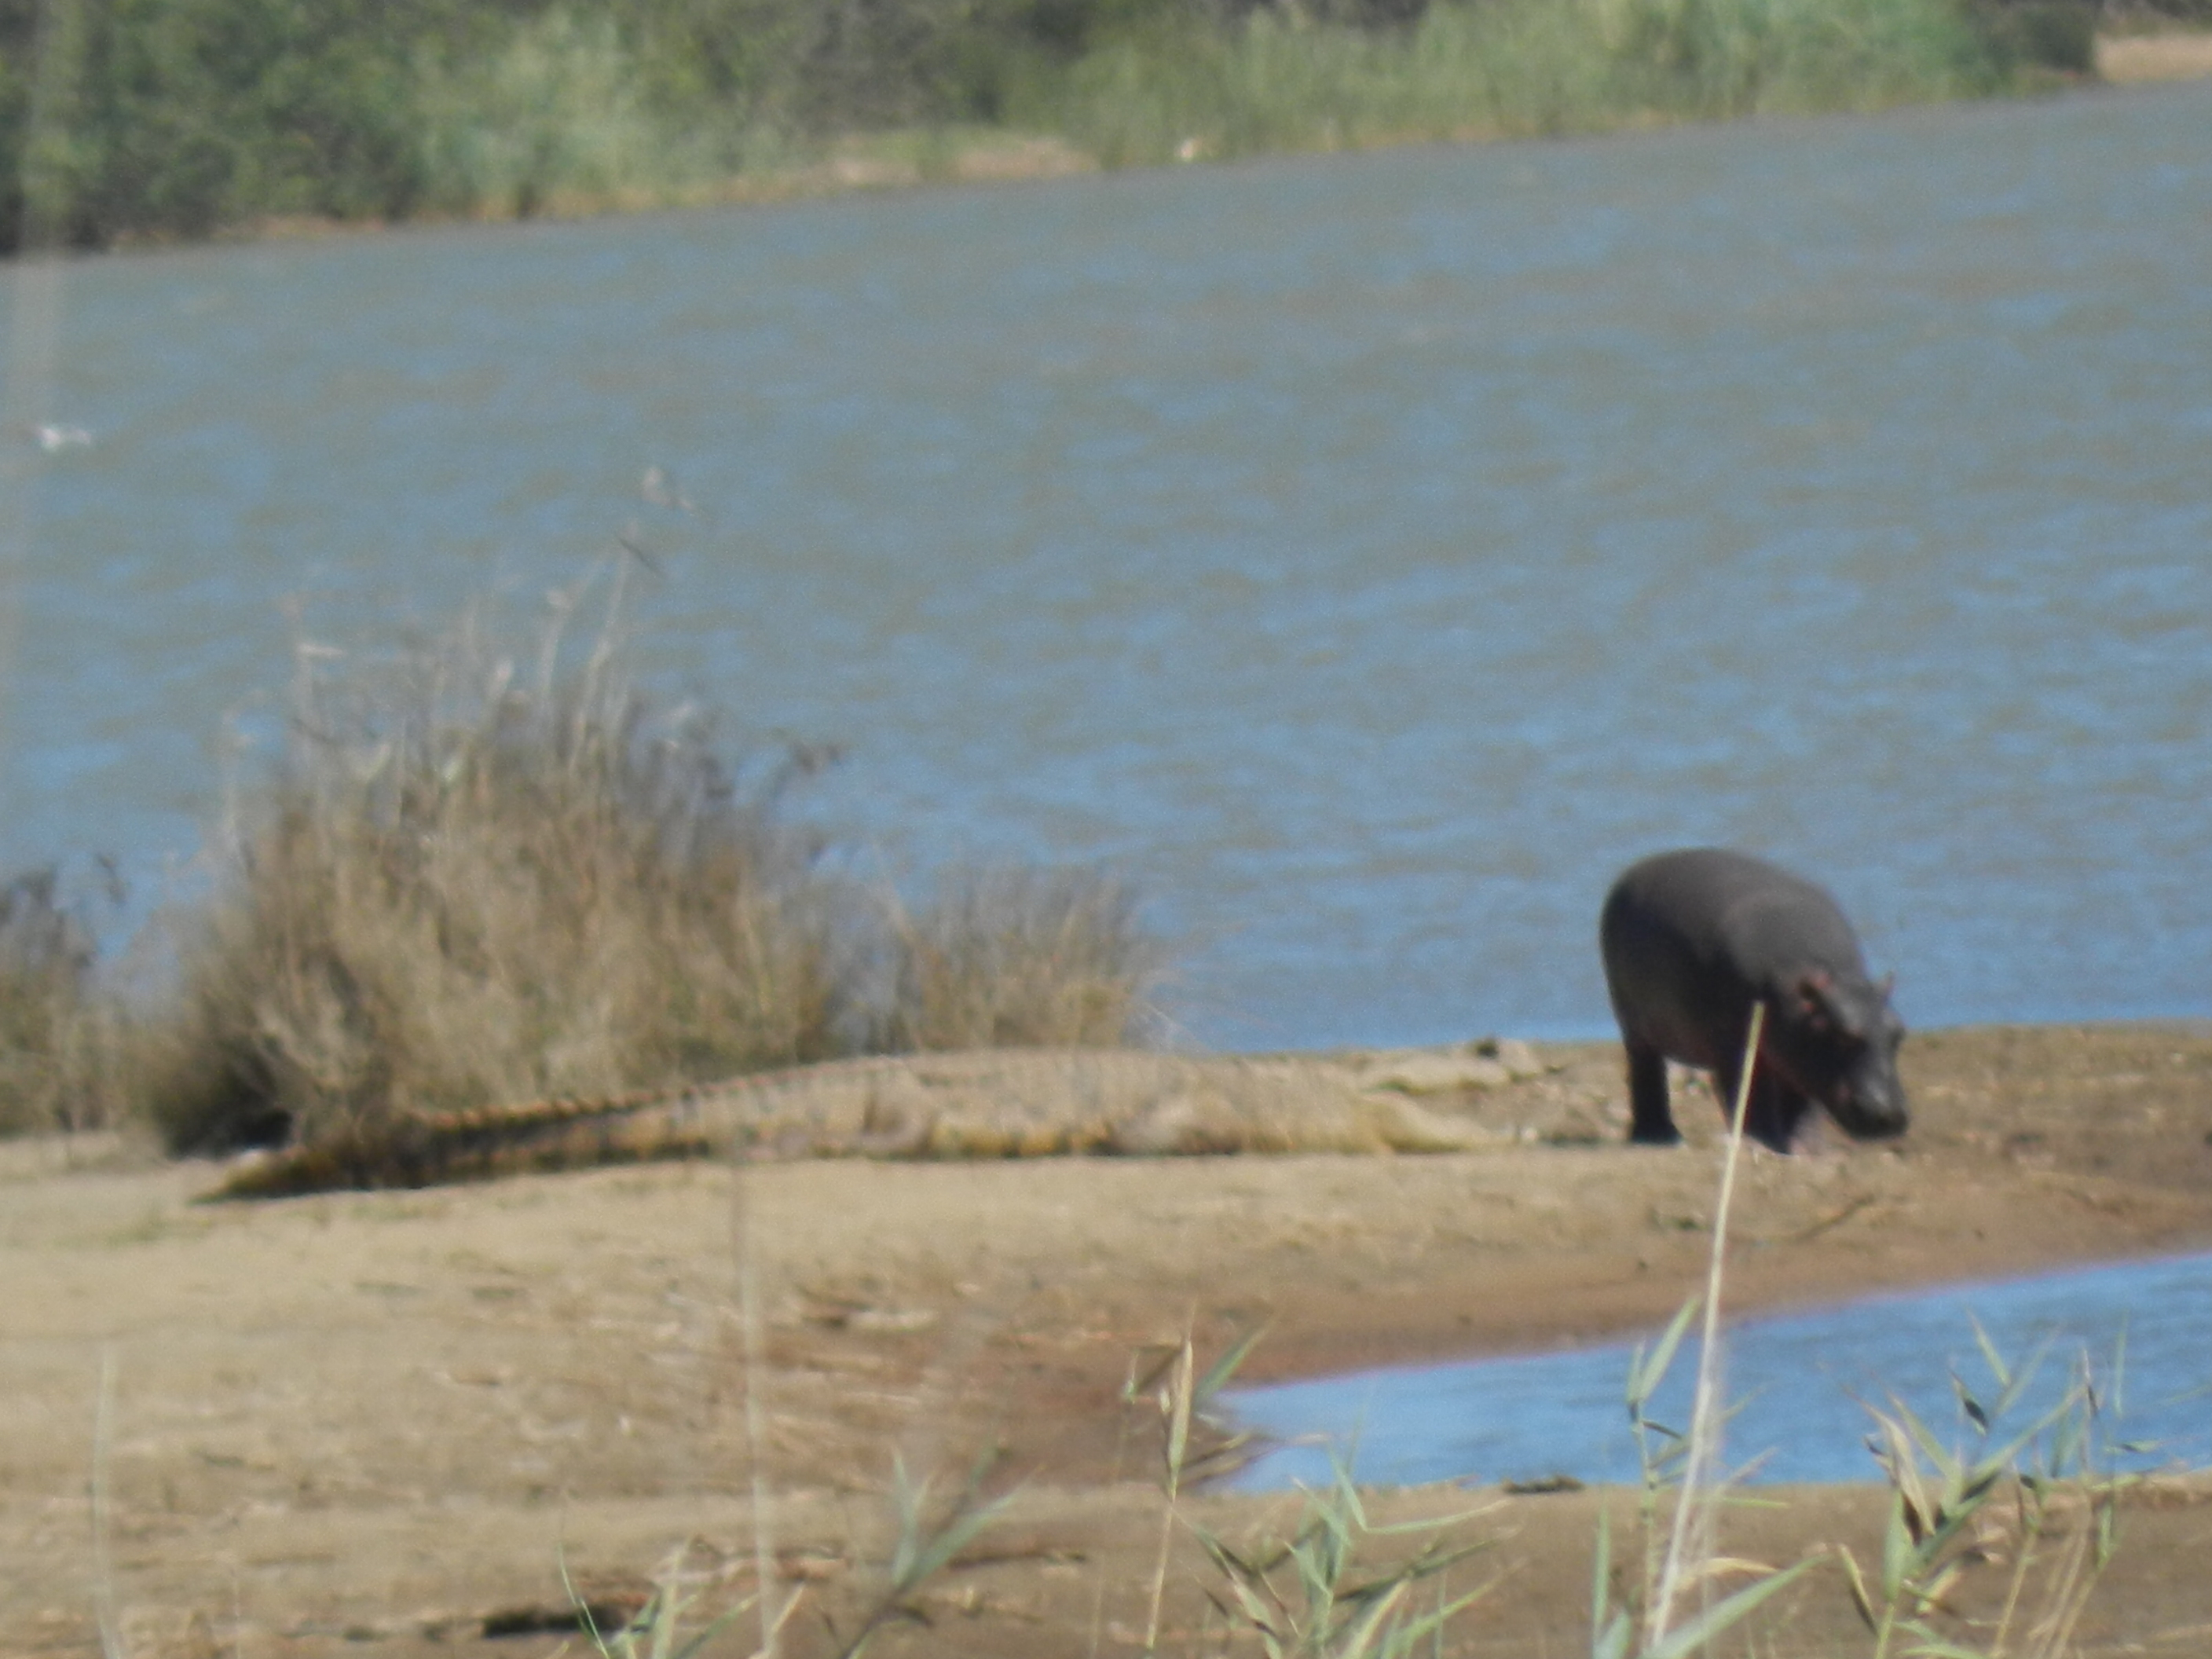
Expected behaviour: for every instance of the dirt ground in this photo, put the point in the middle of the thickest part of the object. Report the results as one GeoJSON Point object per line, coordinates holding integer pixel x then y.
{"type": "Point", "coordinates": [368, 1423]}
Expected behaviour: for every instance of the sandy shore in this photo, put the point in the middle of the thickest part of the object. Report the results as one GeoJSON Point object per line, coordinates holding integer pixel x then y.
{"type": "Point", "coordinates": [374, 1419]}
{"type": "Point", "coordinates": [2167, 55]}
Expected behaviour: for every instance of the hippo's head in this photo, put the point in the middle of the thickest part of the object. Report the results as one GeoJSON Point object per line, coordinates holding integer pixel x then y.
{"type": "Point", "coordinates": [1837, 1036]}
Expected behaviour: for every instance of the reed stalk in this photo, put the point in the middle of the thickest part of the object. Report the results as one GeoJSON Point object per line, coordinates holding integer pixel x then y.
{"type": "Point", "coordinates": [1692, 1510]}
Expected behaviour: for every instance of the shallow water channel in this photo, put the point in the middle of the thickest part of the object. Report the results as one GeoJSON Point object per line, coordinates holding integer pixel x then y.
{"type": "Point", "coordinates": [1798, 1381]}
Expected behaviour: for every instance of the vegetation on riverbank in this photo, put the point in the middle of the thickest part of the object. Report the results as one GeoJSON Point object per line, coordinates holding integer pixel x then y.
{"type": "Point", "coordinates": [57, 1036]}
{"type": "Point", "coordinates": [478, 874]}
{"type": "Point", "coordinates": [138, 118]}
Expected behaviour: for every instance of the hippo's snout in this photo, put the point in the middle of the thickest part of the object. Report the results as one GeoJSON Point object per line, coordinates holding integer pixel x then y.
{"type": "Point", "coordinates": [1872, 1115]}
{"type": "Point", "coordinates": [1867, 1101]}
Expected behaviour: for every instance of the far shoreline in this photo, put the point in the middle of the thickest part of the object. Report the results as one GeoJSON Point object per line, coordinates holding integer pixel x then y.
{"type": "Point", "coordinates": [903, 160]}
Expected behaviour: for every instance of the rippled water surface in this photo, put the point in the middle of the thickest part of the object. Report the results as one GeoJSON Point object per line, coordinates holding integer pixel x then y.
{"type": "Point", "coordinates": [1802, 1383]}
{"type": "Point", "coordinates": [1369, 555]}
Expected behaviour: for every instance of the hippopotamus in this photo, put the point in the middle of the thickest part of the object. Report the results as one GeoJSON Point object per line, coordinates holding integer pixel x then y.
{"type": "Point", "coordinates": [1691, 940]}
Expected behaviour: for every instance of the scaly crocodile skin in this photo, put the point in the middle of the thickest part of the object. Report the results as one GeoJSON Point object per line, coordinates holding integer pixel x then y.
{"type": "Point", "coordinates": [998, 1104]}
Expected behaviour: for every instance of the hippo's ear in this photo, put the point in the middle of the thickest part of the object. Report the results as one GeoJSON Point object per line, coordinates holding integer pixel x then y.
{"type": "Point", "coordinates": [1815, 1007]}
{"type": "Point", "coordinates": [1824, 1011]}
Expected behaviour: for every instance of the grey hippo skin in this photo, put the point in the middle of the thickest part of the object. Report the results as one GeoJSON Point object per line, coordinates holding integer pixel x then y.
{"type": "Point", "coordinates": [1691, 940]}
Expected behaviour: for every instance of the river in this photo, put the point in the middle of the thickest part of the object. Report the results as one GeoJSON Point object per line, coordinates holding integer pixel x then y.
{"type": "Point", "coordinates": [1365, 555]}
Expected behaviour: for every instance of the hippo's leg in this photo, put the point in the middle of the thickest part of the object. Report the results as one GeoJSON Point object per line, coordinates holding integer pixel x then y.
{"type": "Point", "coordinates": [1776, 1107]}
{"type": "Point", "coordinates": [1771, 1114]}
{"type": "Point", "coordinates": [1650, 1123]}
{"type": "Point", "coordinates": [1727, 1079]}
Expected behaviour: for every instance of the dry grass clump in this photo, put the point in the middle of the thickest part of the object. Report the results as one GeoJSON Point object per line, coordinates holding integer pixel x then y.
{"type": "Point", "coordinates": [470, 879]}
{"type": "Point", "coordinates": [1015, 957]}
{"type": "Point", "coordinates": [58, 1039]}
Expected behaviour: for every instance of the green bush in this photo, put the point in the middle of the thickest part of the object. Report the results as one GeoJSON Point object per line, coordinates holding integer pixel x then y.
{"type": "Point", "coordinates": [1725, 58]}
{"type": "Point", "coordinates": [1508, 67]}
{"type": "Point", "coordinates": [2043, 34]}
{"type": "Point", "coordinates": [181, 118]}
{"type": "Point", "coordinates": [185, 116]}
{"type": "Point", "coordinates": [559, 107]}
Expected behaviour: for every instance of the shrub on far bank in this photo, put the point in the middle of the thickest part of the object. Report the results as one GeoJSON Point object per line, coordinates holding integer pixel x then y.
{"type": "Point", "coordinates": [1519, 68]}
{"type": "Point", "coordinates": [475, 877]}
{"type": "Point", "coordinates": [2049, 35]}
{"type": "Point", "coordinates": [183, 118]}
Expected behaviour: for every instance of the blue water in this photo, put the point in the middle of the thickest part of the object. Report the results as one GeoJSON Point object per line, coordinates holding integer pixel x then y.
{"type": "Point", "coordinates": [1366, 555]}
{"type": "Point", "coordinates": [1802, 1381]}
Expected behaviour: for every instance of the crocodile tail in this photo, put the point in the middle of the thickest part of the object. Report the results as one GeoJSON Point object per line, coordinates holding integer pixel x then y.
{"type": "Point", "coordinates": [428, 1150]}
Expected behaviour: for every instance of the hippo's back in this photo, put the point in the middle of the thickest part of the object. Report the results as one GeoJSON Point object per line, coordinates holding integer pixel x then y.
{"type": "Point", "coordinates": [1690, 937]}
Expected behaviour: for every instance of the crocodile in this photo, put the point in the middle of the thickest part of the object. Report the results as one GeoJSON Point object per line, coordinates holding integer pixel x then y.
{"type": "Point", "coordinates": [981, 1104]}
